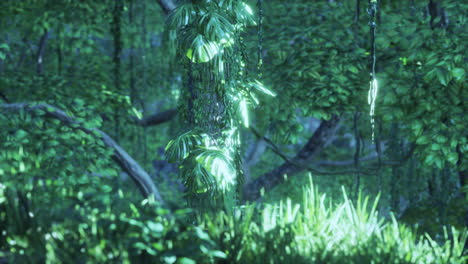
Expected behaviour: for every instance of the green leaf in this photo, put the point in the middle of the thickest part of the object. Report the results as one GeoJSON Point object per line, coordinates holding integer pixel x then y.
{"type": "Point", "coordinates": [452, 157]}
{"type": "Point", "coordinates": [442, 77]}
{"type": "Point", "coordinates": [202, 50]}
{"type": "Point", "coordinates": [247, 8]}
{"type": "Point", "coordinates": [458, 73]}
{"type": "Point", "coordinates": [244, 111]}
{"type": "Point", "coordinates": [5, 46]}
{"type": "Point", "coordinates": [155, 227]}
{"type": "Point", "coordinates": [218, 163]}
{"type": "Point", "coordinates": [423, 140]}
{"type": "Point", "coordinates": [439, 162]}
{"type": "Point", "coordinates": [186, 261]}
{"type": "Point", "coordinates": [137, 113]}
{"type": "Point", "coordinates": [259, 86]}
{"type": "Point", "coordinates": [218, 254]}
{"type": "Point", "coordinates": [353, 69]}
{"type": "Point", "coordinates": [417, 128]}
{"type": "Point", "coordinates": [178, 149]}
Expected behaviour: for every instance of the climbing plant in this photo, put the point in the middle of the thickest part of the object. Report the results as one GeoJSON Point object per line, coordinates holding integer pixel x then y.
{"type": "Point", "coordinates": [217, 96]}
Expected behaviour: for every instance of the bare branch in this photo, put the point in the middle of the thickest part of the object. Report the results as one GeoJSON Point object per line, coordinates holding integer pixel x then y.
{"type": "Point", "coordinates": [344, 163]}
{"type": "Point", "coordinates": [313, 166]}
{"type": "Point", "coordinates": [125, 161]}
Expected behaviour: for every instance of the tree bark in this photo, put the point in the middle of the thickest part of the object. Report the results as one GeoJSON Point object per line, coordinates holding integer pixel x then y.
{"type": "Point", "coordinates": [167, 5]}
{"type": "Point", "coordinates": [319, 140]}
{"type": "Point", "coordinates": [158, 118]}
{"type": "Point", "coordinates": [123, 159]}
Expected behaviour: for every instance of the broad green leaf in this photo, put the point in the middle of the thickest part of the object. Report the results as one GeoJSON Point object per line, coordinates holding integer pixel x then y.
{"type": "Point", "coordinates": [184, 260]}
{"type": "Point", "coordinates": [248, 8]}
{"type": "Point", "coordinates": [259, 86]}
{"type": "Point", "coordinates": [178, 149]}
{"type": "Point", "coordinates": [202, 50]}
{"type": "Point", "coordinates": [137, 113]}
{"type": "Point", "coordinates": [439, 162]}
{"type": "Point", "coordinates": [458, 73]}
{"type": "Point", "coordinates": [442, 77]}
{"type": "Point", "coordinates": [244, 111]}
{"type": "Point", "coordinates": [353, 69]}
{"type": "Point", "coordinates": [417, 128]}
{"type": "Point", "coordinates": [423, 140]}
{"type": "Point", "coordinates": [452, 157]}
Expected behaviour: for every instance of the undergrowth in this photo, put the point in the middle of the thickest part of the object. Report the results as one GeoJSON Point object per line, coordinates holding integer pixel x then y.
{"type": "Point", "coordinates": [122, 231]}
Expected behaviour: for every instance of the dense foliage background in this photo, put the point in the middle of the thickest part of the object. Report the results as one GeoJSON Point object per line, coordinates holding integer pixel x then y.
{"type": "Point", "coordinates": [124, 125]}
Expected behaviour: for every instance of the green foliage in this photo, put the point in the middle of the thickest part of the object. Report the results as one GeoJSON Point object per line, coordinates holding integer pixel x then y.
{"type": "Point", "coordinates": [62, 199]}
{"type": "Point", "coordinates": [96, 228]}
{"type": "Point", "coordinates": [47, 149]}
{"type": "Point", "coordinates": [208, 33]}
{"type": "Point", "coordinates": [179, 148]}
{"type": "Point", "coordinates": [203, 29]}
{"type": "Point", "coordinates": [317, 232]}
{"type": "Point", "coordinates": [428, 85]}
{"type": "Point", "coordinates": [203, 168]}
{"type": "Point", "coordinates": [320, 64]}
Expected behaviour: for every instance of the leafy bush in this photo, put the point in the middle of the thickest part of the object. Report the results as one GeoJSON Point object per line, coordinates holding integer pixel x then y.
{"type": "Point", "coordinates": [120, 230]}
{"type": "Point", "coordinates": [60, 207]}
{"type": "Point", "coordinates": [97, 232]}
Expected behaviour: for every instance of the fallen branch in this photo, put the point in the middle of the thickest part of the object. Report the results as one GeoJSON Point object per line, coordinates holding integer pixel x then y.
{"type": "Point", "coordinates": [123, 159]}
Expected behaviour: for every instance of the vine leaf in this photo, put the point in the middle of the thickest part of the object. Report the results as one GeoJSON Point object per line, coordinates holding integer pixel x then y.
{"type": "Point", "coordinates": [244, 112]}
{"type": "Point", "coordinates": [202, 50]}
{"type": "Point", "coordinates": [260, 87]}
{"type": "Point", "coordinates": [179, 149]}
{"type": "Point", "coordinates": [218, 163]}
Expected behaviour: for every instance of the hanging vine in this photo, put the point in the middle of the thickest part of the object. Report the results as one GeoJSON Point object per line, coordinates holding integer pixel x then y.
{"type": "Point", "coordinates": [358, 10]}
{"type": "Point", "coordinates": [357, 153]}
{"type": "Point", "coordinates": [116, 28]}
{"type": "Point", "coordinates": [260, 38]}
{"type": "Point", "coordinates": [372, 96]}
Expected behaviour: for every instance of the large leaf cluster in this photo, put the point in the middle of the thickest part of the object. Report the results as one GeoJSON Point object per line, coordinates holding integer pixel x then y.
{"type": "Point", "coordinates": [424, 83]}
{"type": "Point", "coordinates": [317, 56]}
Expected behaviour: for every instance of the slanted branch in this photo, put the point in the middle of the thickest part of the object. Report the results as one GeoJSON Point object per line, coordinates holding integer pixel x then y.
{"type": "Point", "coordinates": [123, 159]}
